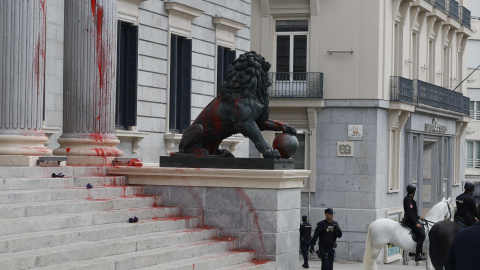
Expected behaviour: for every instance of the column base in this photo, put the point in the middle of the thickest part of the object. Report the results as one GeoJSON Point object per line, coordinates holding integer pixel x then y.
{"type": "Point", "coordinates": [88, 152]}
{"type": "Point", "coordinates": [18, 160]}
{"type": "Point", "coordinates": [26, 145]}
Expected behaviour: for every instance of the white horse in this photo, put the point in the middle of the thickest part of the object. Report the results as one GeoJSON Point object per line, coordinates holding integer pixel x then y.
{"type": "Point", "coordinates": [385, 231]}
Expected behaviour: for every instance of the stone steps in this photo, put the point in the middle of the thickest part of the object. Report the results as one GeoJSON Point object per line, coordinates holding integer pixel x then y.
{"type": "Point", "coordinates": [210, 261]}
{"type": "Point", "coordinates": [40, 223]}
{"type": "Point", "coordinates": [57, 223]}
{"type": "Point", "coordinates": [149, 257]}
{"type": "Point", "coordinates": [257, 265]}
{"type": "Point", "coordinates": [43, 239]}
{"type": "Point", "coordinates": [102, 248]}
{"type": "Point", "coordinates": [64, 182]}
{"type": "Point", "coordinates": [72, 193]}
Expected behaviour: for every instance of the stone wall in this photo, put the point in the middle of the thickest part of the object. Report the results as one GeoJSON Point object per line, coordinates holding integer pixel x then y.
{"type": "Point", "coordinates": [266, 220]}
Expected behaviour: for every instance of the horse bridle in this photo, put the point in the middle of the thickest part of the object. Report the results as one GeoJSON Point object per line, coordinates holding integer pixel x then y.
{"type": "Point", "coordinates": [428, 222]}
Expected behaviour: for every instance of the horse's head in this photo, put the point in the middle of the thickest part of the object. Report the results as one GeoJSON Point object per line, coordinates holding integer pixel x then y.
{"type": "Point", "coordinates": [441, 211]}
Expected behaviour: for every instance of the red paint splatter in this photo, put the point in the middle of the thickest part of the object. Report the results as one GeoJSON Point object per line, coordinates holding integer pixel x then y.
{"type": "Point", "coordinates": [244, 197]}
{"type": "Point", "coordinates": [68, 149]}
{"type": "Point", "coordinates": [93, 3]}
{"type": "Point", "coordinates": [199, 202]}
{"type": "Point", "coordinates": [259, 262]}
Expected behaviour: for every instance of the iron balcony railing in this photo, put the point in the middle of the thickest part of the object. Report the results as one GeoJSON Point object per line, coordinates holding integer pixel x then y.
{"type": "Point", "coordinates": [440, 4]}
{"type": "Point", "coordinates": [402, 89]}
{"type": "Point", "coordinates": [296, 85]}
{"type": "Point", "coordinates": [465, 16]}
{"type": "Point", "coordinates": [420, 92]}
{"type": "Point", "coordinates": [453, 11]}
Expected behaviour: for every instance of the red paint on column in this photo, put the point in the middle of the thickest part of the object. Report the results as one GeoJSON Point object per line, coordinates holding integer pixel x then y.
{"type": "Point", "coordinates": [94, 4]}
{"type": "Point", "coordinates": [68, 149]}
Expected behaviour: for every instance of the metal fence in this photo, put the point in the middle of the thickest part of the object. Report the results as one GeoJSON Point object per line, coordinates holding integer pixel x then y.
{"type": "Point", "coordinates": [420, 92]}
{"type": "Point", "coordinates": [465, 16]}
{"type": "Point", "coordinates": [402, 89]}
{"type": "Point", "coordinates": [453, 11]}
{"type": "Point", "coordinates": [296, 85]}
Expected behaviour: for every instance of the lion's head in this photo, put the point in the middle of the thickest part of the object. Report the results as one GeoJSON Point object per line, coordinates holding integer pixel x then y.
{"type": "Point", "coordinates": [248, 75]}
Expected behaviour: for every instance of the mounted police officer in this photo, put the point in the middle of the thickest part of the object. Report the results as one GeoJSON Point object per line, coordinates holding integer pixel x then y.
{"type": "Point", "coordinates": [305, 237]}
{"type": "Point", "coordinates": [466, 206]}
{"type": "Point", "coordinates": [411, 220]}
{"type": "Point", "coordinates": [327, 232]}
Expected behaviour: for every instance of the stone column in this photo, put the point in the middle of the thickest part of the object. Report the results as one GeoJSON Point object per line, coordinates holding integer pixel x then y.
{"type": "Point", "coordinates": [89, 83]}
{"type": "Point", "coordinates": [22, 77]}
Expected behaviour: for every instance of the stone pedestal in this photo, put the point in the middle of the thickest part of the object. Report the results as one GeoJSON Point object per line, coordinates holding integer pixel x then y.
{"type": "Point", "coordinates": [89, 83]}
{"type": "Point", "coordinates": [259, 207]}
{"type": "Point", "coordinates": [22, 65]}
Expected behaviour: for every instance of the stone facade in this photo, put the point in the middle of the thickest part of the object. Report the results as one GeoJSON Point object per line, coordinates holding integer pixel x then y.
{"type": "Point", "coordinates": [153, 68]}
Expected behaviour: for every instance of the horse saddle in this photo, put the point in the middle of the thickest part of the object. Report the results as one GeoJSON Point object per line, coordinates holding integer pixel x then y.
{"type": "Point", "coordinates": [403, 223]}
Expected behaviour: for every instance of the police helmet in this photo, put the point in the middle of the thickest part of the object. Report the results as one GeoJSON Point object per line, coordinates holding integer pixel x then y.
{"type": "Point", "coordinates": [411, 189]}
{"type": "Point", "coordinates": [469, 186]}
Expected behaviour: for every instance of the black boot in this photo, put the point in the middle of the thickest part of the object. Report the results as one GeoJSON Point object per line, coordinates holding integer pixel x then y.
{"type": "Point", "coordinates": [418, 252]}
{"type": "Point", "coordinates": [305, 265]}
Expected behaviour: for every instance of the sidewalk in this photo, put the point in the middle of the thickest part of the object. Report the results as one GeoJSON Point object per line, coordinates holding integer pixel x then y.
{"type": "Point", "coordinates": [344, 265]}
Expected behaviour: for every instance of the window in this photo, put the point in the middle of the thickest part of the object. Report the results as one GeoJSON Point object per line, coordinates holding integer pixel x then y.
{"type": "Point", "coordinates": [475, 110]}
{"type": "Point", "coordinates": [127, 51]}
{"type": "Point", "coordinates": [431, 61]}
{"type": "Point", "coordinates": [414, 56]}
{"type": "Point", "coordinates": [291, 48]}
{"type": "Point", "coordinates": [397, 59]}
{"type": "Point", "coordinates": [473, 154]}
{"type": "Point", "coordinates": [225, 57]}
{"type": "Point", "coordinates": [180, 82]}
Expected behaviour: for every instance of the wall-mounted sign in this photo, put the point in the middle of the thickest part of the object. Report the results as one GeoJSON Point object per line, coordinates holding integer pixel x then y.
{"type": "Point", "coordinates": [434, 127]}
{"type": "Point", "coordinates": [344, 149]}
{"type": "Point", "coordinates": [355, 132]}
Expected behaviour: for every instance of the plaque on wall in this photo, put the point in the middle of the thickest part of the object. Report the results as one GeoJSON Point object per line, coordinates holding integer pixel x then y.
{"type": "Point", "coordinates": [355, 132]}
{"type": "Point", "coordinates": [344, 149]}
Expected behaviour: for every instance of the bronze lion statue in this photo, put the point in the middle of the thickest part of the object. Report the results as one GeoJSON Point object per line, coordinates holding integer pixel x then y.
{"type": "Point", "coordinates": [240, 107]}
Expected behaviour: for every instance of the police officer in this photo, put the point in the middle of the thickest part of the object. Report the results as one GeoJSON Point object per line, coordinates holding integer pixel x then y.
{"type": "Point", "coordinates": [305, 237]}
{"type": "Point", "coordinates": [466, 206]}
{"type": "Point", "coordinates": [411, 219]}
{"type": "Point", "coordinates": [327, 232]}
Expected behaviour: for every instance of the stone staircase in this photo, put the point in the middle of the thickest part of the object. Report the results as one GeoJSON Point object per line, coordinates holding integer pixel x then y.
{"type": "Point", "coordinates": [56, 223]}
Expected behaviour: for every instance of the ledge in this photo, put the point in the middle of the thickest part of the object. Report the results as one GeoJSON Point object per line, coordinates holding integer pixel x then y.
{"type": "Point", "coordinates": [227, 24]}
{"type": "Point", "coordinates": [173, 140]}
{"type": "Point", "coordinates": [196, 177]}
{"type": "Point", "coordinates": [182, 10]}
{"type": "Point", "coordinates": [130, 135]}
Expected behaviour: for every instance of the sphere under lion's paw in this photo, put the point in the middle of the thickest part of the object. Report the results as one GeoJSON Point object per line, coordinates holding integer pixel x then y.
{"type": "Point", "coordinates": [286, 144]}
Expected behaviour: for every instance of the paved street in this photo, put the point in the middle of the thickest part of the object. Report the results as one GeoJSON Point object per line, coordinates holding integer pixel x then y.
{"type": "Point", "coordinates": [344, 265]}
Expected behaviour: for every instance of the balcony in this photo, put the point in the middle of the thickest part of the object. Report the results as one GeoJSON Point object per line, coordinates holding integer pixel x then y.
{"type": "Point", "coordinates": [296, 85]}
{"type": "Point", "coordinates": [441, 5]}
{"type": "Point", "coordinates": [453, 11]}
{"type": "Point", "coordinates": [420, 92]}
{"type": "Point", "coordinates": [402, 89]}
{"type": "Point", "coordinates": [465, 17]}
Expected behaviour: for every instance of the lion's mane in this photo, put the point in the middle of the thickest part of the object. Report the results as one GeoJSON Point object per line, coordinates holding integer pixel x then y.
{"type": "Point", "coordinates": [247, 76]}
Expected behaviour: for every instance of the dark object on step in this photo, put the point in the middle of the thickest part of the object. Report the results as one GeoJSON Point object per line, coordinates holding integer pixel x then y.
{"type": "Point", "coordinates": [55, 175]}
{"type": "Point", "coordinates": [89, 186]}
{"type": "Point", "coordinates": [133, 220]}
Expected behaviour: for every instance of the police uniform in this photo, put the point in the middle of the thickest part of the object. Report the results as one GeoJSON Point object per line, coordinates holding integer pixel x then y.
{"type": "Point", "coordinates": [305, 237]}
{"type": "Point", "coordinates": [327, 234]}
{"type": "Point", "coordinates": [466, 208]}
{"type": "Point", "coordinates": [411, 220]}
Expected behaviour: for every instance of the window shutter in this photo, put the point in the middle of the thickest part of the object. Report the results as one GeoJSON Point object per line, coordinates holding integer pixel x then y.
{"type": "Point", "coordinates": [118, 110]}
{"type": "Point", "coordinates": [220, 68]}
{"type": "Point", "coordinates": [231, 55]}
{"type": "Point", "coordinates": [173, 82]}
{"type": "Point", "coordinates": [131, 75]}
{"type": "Point", "coordinates": [186, 79]}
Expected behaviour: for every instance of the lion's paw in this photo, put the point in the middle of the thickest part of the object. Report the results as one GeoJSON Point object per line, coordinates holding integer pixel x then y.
{"type": "Point", "coordinates": [272, 154]}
